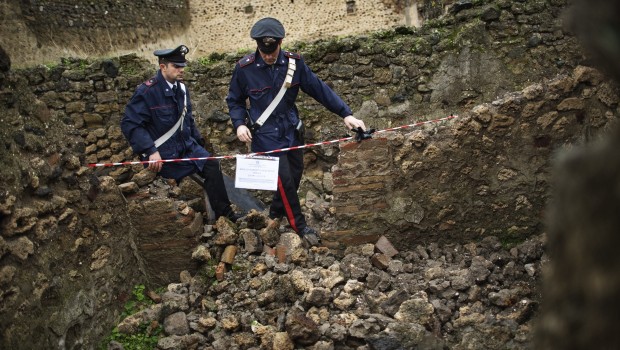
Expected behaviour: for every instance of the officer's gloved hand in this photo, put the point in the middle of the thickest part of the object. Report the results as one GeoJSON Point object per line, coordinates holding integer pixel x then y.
{"type": "Point", "coordinates": [362, 134]}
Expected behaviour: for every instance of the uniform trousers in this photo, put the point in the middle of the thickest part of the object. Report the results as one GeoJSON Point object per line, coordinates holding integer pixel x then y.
{"type": "Point", "coordinates": [215, 188]}
{"type": "Point", "coordinates": [285, 199]}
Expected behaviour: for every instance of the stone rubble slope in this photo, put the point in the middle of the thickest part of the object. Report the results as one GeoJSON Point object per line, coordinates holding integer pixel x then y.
{"type": "Point", "coordinates": [259, 288]}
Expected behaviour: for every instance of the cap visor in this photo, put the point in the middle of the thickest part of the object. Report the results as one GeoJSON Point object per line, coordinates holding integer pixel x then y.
{"type": "Point", "coordinates": [267, 49]}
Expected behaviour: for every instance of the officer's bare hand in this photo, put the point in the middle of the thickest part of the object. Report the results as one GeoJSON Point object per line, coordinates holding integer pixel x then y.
{"type": "Point", "coordinates": [244, 134]}
{"type": "Point", "coordinates": [353, 123]}
{"type": "Point", "coordinates": [155, 166]}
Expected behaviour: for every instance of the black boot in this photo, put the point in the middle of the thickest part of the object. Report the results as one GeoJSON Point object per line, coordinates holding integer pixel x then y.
{"type": "Point", "coordinates": [234, 217]}
{"type": "Point", "coordinates": [216, 190]}
{"type": "Point", "coordinates": [309, 237]}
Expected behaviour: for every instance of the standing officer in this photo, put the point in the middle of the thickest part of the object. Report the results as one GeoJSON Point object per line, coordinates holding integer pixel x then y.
{"type": "Point", "coordinates": [158, 124]}
{"type": "Point", "coordinates": [260, 77]}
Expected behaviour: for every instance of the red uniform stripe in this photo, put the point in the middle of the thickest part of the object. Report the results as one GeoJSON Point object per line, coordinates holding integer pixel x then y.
{"type": "Point", "coordinates": [287, 206]}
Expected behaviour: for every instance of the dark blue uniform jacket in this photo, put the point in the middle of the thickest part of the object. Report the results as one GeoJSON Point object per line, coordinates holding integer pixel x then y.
{"type": "Point", "coordinates": [152, 111]}
{"type": "Point", "coordinates": [254, 79]}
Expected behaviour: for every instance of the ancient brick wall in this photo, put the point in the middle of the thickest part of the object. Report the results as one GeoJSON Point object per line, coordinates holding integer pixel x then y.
{"type": "Point", "coordinates": [484, 173]}
{"type": "Point", "coordinates": [363, 187]}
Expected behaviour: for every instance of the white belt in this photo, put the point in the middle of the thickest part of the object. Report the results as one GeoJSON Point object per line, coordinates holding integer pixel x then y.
{"type": "Point", "coordinates": [163, 138]}
{"type": "Point", "coordinates": [287, 84]}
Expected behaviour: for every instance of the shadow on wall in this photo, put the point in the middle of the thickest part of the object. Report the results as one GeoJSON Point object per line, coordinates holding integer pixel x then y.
{"type": "Point", "coordinates": [582, 286]}
{"type": "Point", "coordinates": [5, 66]}
{"type": "Point", "coordinates": [5, 61]}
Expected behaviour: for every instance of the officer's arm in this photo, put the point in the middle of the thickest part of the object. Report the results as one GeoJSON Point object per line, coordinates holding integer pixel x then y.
{"type": "Point", "coordinates": [315, 87]}
{"type": "Point", "coordinates": [133, 124]}
{"type": "Point", "coordinates": [236, 100]}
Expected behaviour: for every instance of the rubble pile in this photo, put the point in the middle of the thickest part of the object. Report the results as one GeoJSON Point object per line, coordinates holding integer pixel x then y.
{"type": "Point", "coordinates": [258, 287]}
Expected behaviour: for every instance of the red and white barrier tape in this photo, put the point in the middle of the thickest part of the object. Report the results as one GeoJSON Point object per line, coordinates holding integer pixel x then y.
{"type": "Point", "coordinates": [269, 152]}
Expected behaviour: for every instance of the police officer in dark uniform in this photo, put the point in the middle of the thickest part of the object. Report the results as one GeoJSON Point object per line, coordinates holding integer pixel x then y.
{"type": "Point", "coordinates": [158, 124]}
{"type": "Point", "coordinates": [259, 77]}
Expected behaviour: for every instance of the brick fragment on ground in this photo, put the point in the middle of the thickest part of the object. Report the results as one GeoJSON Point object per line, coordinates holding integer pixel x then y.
{"type": "Point", "coordinates": [384, 246]}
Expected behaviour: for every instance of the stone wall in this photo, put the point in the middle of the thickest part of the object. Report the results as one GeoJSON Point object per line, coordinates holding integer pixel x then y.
{"type": "Point", "coordinates": [40, 31]}
{"type": "Point", "coordinates": [137, 17]}
{"type": "Point", "coordinates": [71, 228]}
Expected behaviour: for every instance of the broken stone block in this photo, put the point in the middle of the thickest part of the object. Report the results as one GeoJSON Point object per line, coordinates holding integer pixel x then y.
{"type": "Point", "coordinates": [380, 261]}
{"type": "Point", "coordinates": [252, 241]}
{"type": "Point", "coordinates": [129, 187]}
{"type": "Point", "coordinates": [228, 256]}
{"type": "Point", "coordinates": [201, 253]}
{"type": "Point", "coordinates": [384, 246]}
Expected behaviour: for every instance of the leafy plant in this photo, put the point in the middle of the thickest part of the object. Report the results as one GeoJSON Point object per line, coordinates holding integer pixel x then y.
{"type": "Point", "coordinates": [83, 64]}
{"type": "Point", "coordinates": [138, 292]}
{"type": "Point", "coordinates": [147, 335]}
{"type": "Point", "coordinates": [145, 339]}
{"type": "Point", "coordinates": [139, 301]}
{"type": "Point", "coordinates": [50, 65]}
{"type": "Point", "coordinates": [207, 273]}
{"type": "Point", "coordinates": [205, 61]}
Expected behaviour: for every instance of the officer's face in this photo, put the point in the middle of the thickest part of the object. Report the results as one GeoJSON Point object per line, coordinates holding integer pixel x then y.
{"type": "Point", "coordinates": [270, 58]}
{"type": "Point", "coordinates": [172, 72]}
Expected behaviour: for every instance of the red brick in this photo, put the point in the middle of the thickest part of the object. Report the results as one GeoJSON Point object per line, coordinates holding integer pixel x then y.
{"type": "Point", "coordinates": [336, 234]}
{"type": "Point", "coordinates": [347, 209]}
{"type": "Point", "coordinates": [360, 187]}
{"type": "Point", "coordinates": [281, 253]}
{"type": "Point", "coordinates": [220, 270]}
{"type": "Point", "coordinates": [367, 144]}
{"type": "Point", "coordinates": [154, 296]}
{"type": "Point", "coordinates": [351, 146]}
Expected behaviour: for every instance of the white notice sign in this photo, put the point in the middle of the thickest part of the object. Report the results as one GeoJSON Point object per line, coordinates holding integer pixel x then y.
{"type": "Point", "coordinates": [257, 172]}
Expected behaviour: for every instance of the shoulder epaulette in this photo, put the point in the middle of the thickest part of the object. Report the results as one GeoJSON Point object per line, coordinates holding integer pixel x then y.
{"type": "Point", "coordinates": [292, 55]}
{"type": "Point", "coordinates": [247, 60]}
{"type": "Point", "coordinates": [151, 82]}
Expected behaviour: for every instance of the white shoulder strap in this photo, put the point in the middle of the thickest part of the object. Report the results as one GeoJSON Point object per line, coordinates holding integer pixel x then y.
{"type": "Point", "coordinates": [179, 124]}
{"type": "Point", "coordinates": [287, 84]}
